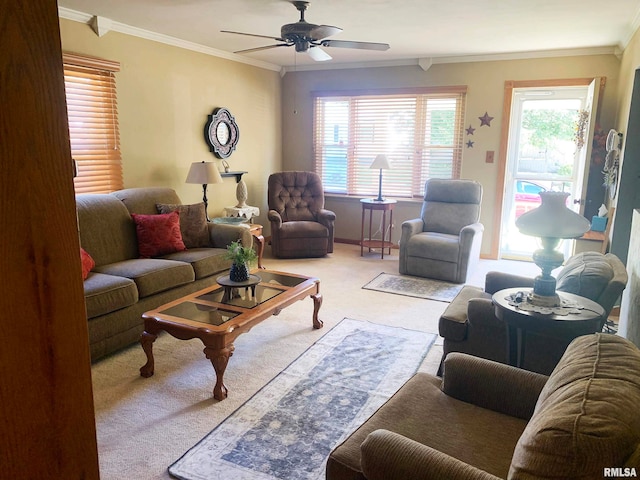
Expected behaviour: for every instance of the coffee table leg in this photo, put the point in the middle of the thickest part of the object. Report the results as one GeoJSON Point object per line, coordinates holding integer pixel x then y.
{"type": "Point", "coordinates": [219, 359]}
{"type": "Point", "coordinates": [317, 303]}
{"type": "Point", "coordinates": [146, 340]}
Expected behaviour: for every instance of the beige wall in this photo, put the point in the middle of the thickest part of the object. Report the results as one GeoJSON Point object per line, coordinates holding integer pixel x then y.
{"type": "Point", "coordinates": [485, 81]}
{"type": "Point", "coordinates": [164, 96]}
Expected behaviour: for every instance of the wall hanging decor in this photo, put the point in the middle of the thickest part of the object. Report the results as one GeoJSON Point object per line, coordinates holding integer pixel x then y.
{"type": "Point", "coordinates": [485, 119]}
{"type": "Point", "coordinates": [221, 133]}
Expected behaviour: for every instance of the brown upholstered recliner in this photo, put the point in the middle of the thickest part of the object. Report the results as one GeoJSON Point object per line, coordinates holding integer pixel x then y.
{"type": "Point", "coordinates": [486, 421]}
{"type": "Point", "coordinates": [300, 225]}
{"type": "Point", "coordinates": [469, 324]}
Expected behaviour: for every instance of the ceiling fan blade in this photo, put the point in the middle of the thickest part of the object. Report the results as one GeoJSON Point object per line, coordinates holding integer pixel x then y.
{"type": "Point", "coordinates": [254, 35]}
{"type": "Point", "coordinates": [350, 44]}
{"type": "Point", "coordinates": [318, 54]}
{"type": "Point", "coordinates": [323, 31]}
{"type": "Point", "coordinates": [257, 49]}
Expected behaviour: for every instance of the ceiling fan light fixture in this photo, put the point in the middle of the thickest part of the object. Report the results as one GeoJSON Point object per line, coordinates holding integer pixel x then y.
{"type": "Point", "coordinates": [304, 36]}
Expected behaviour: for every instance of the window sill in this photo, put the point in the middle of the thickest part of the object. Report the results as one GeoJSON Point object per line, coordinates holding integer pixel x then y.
{"type": "Point", "coordinates": [357, 198]}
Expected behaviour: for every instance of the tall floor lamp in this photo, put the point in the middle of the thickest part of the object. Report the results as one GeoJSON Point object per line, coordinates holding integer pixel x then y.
{"type": "Point", "coordinates": [381, 162]}
{"type": "Point", "coordinates": [203, 173]}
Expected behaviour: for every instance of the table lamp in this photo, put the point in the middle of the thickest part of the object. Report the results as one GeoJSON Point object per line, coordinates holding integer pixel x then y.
{"type": "Point", "coordinates": [551, 221]}
{"type": "Point", "coordinates": [381, 162]}
{"type": "Point", "coordinates": [203, 173]}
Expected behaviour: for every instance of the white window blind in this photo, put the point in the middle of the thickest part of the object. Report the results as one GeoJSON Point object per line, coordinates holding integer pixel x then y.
{"type": "Point", "coordinates": [92, 108]}
{"type": "Point", "coordinates": [420, 132]}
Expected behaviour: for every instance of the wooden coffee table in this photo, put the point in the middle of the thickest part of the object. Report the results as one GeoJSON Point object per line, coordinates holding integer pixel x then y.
{"type": "Point", "coordinates": [217, 323]}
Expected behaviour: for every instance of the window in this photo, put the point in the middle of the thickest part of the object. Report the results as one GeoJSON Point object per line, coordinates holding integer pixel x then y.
{"type": "Point", "coordinates": [420, 131]}
{"type": "Point", "coordinates": [93, 123]}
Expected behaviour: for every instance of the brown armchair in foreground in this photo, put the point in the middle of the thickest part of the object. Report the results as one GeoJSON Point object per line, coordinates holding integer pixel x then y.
{"type": "Point", "coordinates": [300, 225]}
{"type": "Point", "coordinates": [485, 420]}
{"type": "Point", "coordinates": [469, 324]}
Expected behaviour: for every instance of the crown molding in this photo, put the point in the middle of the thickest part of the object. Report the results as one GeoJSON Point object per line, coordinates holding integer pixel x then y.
{"type": "Point", "coordinates": [426, 62]}
{"type": "Point", "coordinates": [633, 28]}
{"type": "Point", "coordinates": [85, 18]}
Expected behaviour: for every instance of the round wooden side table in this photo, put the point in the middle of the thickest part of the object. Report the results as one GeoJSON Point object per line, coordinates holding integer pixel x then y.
{"type": "Point", "coordinates": [581, 317]}
{"type": "Point", "coordinates": [384, 206]}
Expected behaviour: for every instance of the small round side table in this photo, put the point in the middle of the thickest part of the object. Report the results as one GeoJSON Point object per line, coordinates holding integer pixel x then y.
{"type": "Point", "coordinates": [384, 206]}
{"type": "Point", "coordinates": [584, 318]}
{"type": "Point", "coordinates": [228, 285]}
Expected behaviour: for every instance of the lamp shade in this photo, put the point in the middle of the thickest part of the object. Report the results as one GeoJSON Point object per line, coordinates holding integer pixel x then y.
{"type": "Point", "coordinates": [381, 162]}
{"type": "Point", "coordinates": [203, 173]}
{"type": "Point", "coordinates": [552, 219]}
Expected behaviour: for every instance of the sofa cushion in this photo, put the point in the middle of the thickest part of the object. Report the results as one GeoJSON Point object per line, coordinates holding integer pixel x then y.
{"type": "Point", "coordinates": [193, 223]}
{"type": "Point", "coordinates": [586, 274]}
{"type": "Point", "coordinates": [438, 246]}
{"type": "Point", "coordinates": [87, 263]}
{"type": "Point", "coordinates": [107, 293]}
{"type": "Point", "coordinates": [303, 230]}
{"type": "Point", "coordinates": [474, 435]}
{"type": "Point", "coordinates": [158, 234]}
{"type": "Point", "coordinates": [204, 261]}
{"type": "Point", "coordinates": [151, 275]}
{"type": "Point", "coordinates": [106, 228]}
{"type": "Point", "coordinates": [586, 418]}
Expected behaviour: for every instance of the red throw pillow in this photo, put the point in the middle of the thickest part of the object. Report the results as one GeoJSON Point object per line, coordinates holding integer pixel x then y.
{"type": "Point", "coordinates": [158, 234]}
{"type": "Point", "coordinates": [87, 263]}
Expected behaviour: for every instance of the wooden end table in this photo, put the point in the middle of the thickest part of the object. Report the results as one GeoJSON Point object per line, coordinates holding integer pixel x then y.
{"type": "Point", "coordinates": [218, 320]}
{"type": "Point", "coordinates": [565, 327]}
{"type": "Point", "coordinates": [384, 206]}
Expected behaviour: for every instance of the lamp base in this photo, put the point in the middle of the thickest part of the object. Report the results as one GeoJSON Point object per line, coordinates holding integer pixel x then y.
{"type": "Point", "coordinates": [544, 300]}
{"type": "Point", "coordinates": [379, 199]}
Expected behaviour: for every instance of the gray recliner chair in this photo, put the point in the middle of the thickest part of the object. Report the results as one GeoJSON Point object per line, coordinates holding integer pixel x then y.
{"type": "Point", "coordinates": [469, 325]}
{"type": "Point", "coordinates": [444, 243]}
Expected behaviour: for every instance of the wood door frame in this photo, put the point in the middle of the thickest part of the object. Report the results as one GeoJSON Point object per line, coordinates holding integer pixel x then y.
{"type": "Point", "coordinates": [509, 86]}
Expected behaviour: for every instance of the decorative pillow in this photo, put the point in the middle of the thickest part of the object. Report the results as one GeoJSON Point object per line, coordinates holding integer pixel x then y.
{"type": "Point", "coordinates": [87, 263]}
{"type": "Point", "coordinates": [158, 234]}
{"type": "Point", "coordinates": [193, 223]}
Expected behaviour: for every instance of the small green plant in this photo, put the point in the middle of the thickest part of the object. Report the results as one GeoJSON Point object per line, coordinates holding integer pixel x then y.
{"type": "Point", "coordinates": [240, 255]}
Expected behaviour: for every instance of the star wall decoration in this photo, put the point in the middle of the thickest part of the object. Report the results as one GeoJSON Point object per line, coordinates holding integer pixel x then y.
{"type": "Point", "coordinates": [485, 120]}
{"type": "Point", "coordinates": [470, 130]}
{"type": "Point", "coordinates": [469, 144]}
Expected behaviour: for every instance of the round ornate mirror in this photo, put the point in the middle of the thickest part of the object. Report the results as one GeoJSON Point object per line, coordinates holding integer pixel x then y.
{"type": "Point", "coordinates": [221, 133]}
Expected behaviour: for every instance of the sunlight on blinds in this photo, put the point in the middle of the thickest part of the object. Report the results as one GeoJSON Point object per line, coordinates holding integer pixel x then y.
{"type": "Point", "coordinates": [421, 134]}
{"type": "Point", "coordinates": [93, 123]}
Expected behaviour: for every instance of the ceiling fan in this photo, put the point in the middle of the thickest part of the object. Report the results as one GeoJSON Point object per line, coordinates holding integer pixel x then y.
{"type": "Point", "coordinates": [307, 37]}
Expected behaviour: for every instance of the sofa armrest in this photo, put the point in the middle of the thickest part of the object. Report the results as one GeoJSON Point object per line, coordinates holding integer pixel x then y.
{"type": "Point", "coordinates": [481, 314]}
{"type": "Point", "coordinates": [326, 217]}
{"type": "Point", "coordinates": [220, 235]}
{"type": "Point", "coordinates": [389, 456]}
{"type": "Point", "coordinates": [275, 219]}
{"type": "Point", "coordinates": [495, 281]}
{"type": "Point", "coordinates": [468, 233]}
{"type": "Point", "coordinates": [410, 228]}
{"type": "Point", "coordinates": [492, 385]}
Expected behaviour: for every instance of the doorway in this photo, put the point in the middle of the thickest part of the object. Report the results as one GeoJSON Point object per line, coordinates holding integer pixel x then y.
{"type": "Point", "coordinates": [547, 148]}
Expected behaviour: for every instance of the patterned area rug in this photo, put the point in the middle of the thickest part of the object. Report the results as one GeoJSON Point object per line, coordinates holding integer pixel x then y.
{"type": "Point", "coordinates": [414, 287]}
{"type": "Point", "coordinates": [288, 428]}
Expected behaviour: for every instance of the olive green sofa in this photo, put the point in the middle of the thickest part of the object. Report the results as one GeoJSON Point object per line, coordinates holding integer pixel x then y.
{"type": "Point", "coordinates": [122, 286]}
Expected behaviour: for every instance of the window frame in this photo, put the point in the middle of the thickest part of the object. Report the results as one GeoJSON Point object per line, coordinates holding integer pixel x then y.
{"type": "Point", "coordinates": [416, 155]}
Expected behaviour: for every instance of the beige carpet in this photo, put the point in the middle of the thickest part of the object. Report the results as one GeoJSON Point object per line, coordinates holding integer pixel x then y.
{"type": "Point", "coordinates": [145, 424]}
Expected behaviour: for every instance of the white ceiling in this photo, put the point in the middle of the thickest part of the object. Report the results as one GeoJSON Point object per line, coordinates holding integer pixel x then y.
{"type": "Point", "coordinates": [435, 30]}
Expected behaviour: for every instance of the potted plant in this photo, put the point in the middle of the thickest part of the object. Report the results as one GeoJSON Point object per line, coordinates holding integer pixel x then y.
{"type": "Point", "coordinates": [240, 256]}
